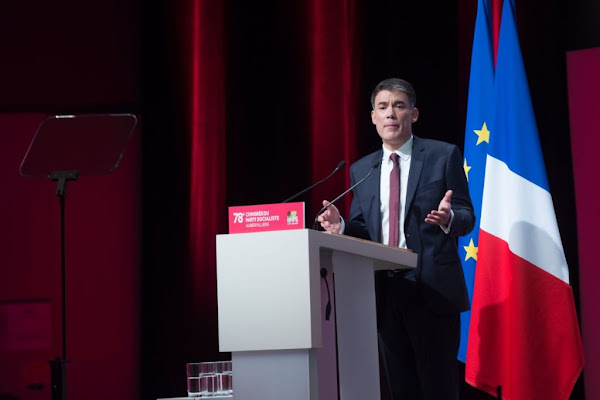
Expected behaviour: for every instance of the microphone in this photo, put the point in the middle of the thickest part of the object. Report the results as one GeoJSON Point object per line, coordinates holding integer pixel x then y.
{"type": "Point", "coordinates": [341, 165]}
{"type": "Point", "coordinates": [373, 166]}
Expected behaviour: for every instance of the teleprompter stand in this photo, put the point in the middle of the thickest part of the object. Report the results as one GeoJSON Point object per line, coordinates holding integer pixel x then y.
{"type": "Point", "coordinates": [64, 148]}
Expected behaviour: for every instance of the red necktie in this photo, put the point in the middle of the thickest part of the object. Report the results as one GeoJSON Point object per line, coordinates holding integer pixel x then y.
{"type": "Point", "coordinates": [394, 204]}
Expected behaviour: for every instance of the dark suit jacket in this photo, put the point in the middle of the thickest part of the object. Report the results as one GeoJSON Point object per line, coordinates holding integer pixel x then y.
{"type": "Point", "coordinates": [435, 167]}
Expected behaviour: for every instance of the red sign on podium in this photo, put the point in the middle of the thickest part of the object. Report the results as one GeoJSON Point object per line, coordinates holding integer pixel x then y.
{"type": "Point", "coordinates": [266, 217]}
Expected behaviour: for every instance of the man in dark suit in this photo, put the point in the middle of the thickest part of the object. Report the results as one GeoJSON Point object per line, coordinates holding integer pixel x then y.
{"type": "Point", "coordinates": [418, 311]}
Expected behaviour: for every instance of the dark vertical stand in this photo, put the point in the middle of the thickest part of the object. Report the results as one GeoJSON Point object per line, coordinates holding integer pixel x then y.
{"type": "Point", "coordinates": [63, 148]}
{"type": "Point", "coordinates": [58, 366]}
{"type": "Point", "coordinates": [58, 376]}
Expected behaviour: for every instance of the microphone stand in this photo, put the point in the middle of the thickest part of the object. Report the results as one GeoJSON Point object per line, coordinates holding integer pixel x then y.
{"type": "Point", "coordinates": [340, 165]}
{"type": "Point", "coordinates": [375, 165]}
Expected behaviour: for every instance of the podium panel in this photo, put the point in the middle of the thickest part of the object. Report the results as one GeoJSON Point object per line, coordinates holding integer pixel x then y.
{"type": "Point", "coordinates": [268, 292]}
{"type": "Point", "coordinates": [271, 300]}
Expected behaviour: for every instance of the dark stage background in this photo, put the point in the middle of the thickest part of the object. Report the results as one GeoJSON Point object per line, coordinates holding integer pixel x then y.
{"type": "Point", "coordinates": [240, 103]}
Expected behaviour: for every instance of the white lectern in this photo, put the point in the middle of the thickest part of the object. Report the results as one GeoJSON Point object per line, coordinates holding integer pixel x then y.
{"type": "Point", "coordinates": [271, 303]}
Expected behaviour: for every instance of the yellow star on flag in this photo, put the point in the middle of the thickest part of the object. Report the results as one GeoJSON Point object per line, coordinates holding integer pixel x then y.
{"type": "Point", "coordinates": [467, 169]}
{"type": "Point", "coordinates": [471, 251]}
{"type": "Point", "coordinates": [483, 134]}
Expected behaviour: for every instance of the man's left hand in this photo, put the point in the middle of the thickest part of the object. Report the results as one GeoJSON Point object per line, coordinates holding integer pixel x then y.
{"type": "Point", "coordinates": [441, 216]}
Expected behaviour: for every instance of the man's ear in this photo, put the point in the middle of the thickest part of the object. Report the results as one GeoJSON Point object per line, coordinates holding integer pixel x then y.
{"type": "Point", "coordinates": [415, 114]}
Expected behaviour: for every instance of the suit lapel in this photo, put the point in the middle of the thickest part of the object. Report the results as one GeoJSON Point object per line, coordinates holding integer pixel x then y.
{"type": "Point", "coordinates": [416, 165]}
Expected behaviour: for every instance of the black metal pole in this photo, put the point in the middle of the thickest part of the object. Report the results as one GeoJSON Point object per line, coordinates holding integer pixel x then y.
{"type": "Point", "coordinates": [58, 376]}
{"type": "Point", "coordinates": [64, 274]}
{"type": "Point", "coordinates": [58, 366]}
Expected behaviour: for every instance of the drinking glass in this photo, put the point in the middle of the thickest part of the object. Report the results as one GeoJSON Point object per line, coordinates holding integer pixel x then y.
{"type": "Point", "coordinates": [193, 379]}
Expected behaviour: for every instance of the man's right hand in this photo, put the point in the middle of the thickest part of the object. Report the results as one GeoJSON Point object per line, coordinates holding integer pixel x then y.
{"type": "Point", "coordinates": [330, 219]}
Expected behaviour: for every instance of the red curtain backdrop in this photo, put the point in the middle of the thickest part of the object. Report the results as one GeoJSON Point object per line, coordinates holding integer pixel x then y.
{"type": "Point", "coordinates": [208, 205]}
{"type": "Point", "coordinates": [335, 71]}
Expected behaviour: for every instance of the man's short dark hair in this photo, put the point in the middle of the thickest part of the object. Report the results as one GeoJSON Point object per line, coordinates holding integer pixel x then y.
{"type": "Point", "coordinates": [395, 85]}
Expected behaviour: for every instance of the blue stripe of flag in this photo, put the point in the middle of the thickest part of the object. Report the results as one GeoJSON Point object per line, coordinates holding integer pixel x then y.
{"type": "Point", "coordinates": [516, 141]}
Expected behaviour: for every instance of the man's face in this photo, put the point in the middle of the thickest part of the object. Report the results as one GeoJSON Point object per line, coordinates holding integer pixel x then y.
{"type": "Point", "coordinates": [393, 117]}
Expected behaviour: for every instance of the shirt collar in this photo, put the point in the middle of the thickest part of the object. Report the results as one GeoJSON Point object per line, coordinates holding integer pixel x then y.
{"type": "Point", "coordinates": [404, 151]}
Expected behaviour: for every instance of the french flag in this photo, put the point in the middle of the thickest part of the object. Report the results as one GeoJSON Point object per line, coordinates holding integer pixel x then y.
{"type": "Point", "coordinates": [524, 335]}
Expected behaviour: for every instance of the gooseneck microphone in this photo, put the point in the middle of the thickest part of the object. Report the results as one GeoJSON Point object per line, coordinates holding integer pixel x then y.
{"type": "Point", "coordinates": [373, 166]}
{"type": "Point", "coordinates": [340, 165]}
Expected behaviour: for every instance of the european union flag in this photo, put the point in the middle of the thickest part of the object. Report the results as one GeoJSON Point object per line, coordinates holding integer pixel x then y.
{"type": "Point", "coordinates": [479, 112]}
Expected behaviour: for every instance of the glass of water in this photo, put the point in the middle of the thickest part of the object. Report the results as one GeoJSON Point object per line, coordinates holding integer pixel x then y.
{"type": "Point", "coordinates": [193, 371]}
{"type": "Point", "coordinates": [208, 379]}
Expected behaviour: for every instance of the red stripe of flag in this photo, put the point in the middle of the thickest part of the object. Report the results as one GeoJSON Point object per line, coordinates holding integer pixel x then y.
{"type": "Point", "coordinates": [524, 332]}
